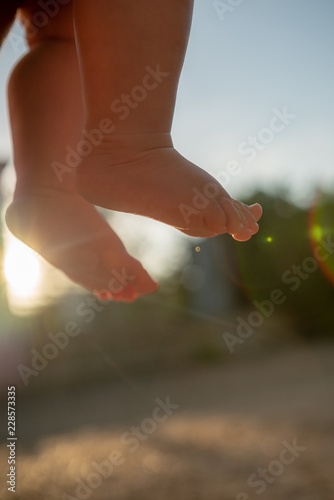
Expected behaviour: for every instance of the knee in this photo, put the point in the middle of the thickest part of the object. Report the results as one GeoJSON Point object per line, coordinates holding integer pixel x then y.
{"type": "Point", "coordinates": [45, 19]}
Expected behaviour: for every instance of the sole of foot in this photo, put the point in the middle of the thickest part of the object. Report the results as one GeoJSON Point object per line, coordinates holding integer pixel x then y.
{"type": "Point", "coordinates": [71, 235]}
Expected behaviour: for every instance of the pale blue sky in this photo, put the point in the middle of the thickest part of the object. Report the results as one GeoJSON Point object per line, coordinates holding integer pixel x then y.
{"type": "Point", "coordinates": [263, 54]}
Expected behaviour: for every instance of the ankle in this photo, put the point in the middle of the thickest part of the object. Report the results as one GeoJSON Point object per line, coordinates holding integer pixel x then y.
{"type": "Point", "coordinates": [25, 188]}
{"type": "Point", "coordinates": [135, 141]}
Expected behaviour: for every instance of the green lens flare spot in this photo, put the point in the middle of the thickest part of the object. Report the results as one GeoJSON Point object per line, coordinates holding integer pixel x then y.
{"type": "Point", "coordinates": [317, 233]}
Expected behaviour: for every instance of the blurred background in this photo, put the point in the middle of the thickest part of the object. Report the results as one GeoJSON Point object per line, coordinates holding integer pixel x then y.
{"type": "Point", "coordinates": [239, 337]}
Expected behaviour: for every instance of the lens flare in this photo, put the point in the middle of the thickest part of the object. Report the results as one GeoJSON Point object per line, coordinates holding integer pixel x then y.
{"type": "Point", "coordinates": [321, 233]}
{"type": "Point", "coordinates": [22, 270]}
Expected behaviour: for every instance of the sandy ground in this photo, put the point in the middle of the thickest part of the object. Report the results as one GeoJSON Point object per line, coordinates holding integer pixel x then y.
{"type": "Point", "coordinates": [222, 437]}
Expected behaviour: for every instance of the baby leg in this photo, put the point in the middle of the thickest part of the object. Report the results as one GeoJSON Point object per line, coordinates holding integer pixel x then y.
{"type": "Point", "coordinates": [131, 54]}
{"type": "Point", "coordinates": [50, 216]}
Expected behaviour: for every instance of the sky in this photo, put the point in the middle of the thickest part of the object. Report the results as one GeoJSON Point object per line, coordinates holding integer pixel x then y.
{"type": "Point", "coordinates": [255, 103]}
{"type": "Point", "coordinates": [263, 55]}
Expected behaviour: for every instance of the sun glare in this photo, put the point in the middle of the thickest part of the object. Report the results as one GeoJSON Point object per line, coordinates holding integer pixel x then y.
{"type": "Point", "coordinates": [22, 270]}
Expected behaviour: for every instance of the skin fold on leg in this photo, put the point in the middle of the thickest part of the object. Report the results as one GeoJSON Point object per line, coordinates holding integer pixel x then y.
{"type": "Point", "coordinates": [45, 107]}
{"type": "Point", "coordinates": [130, 57]}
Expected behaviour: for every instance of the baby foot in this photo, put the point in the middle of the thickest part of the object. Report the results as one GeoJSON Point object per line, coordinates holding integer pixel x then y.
{"type": "Point", "coordinates": [145, 175]}
{"type": "Point", "coordinates": [70, 234]}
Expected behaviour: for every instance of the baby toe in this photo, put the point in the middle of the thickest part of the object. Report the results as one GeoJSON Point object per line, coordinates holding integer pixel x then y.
{"type": "Point", "coordinates": [255, 210]}
{"type": "Point", "coordinates": [128, 294]}
{"type": "Point", "coordinates": [244, 235]}
{"type": "Point", "coordinates": [214, 220]}
{"type": "Point", "coordinates": [251, 221]}
{"type": "Point", "coordinates": [236, 221]}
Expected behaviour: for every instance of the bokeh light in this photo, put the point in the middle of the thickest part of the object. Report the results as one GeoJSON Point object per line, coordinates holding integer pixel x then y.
{"type": "Point", "coordinates": [321, 232]}
{"type": "Point", "coordinates": [21, 269]}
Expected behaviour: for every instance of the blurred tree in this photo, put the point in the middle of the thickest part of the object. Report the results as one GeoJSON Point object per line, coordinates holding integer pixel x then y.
{"type": "Point", "coordinates": [285, 255]}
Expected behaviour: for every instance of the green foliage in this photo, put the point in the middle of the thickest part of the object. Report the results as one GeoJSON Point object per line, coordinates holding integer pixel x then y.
{"type": "Point", "coordinates": [286, 255]}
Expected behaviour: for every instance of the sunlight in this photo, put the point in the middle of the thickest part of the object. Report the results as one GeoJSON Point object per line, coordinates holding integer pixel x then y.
{"type": "Point", "coordinates": [22, 270]}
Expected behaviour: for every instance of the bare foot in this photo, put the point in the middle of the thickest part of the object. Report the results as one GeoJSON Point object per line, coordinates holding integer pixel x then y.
{"type": "Point", "coordinates": [70, 234]}
{"type": "Point", "coordinates": [145, 175]}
